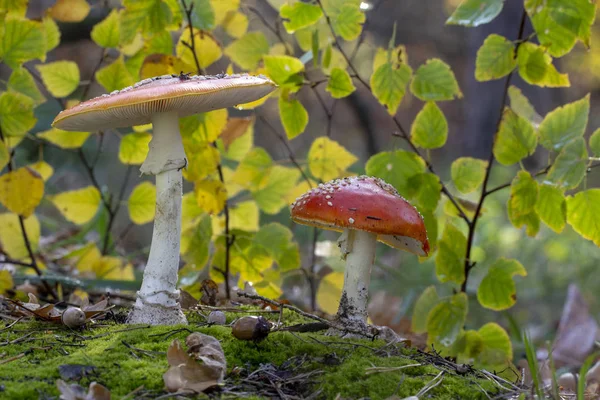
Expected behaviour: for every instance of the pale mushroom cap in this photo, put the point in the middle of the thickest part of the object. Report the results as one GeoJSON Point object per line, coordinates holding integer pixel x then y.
{"type": "Point", "coordinates": [184, 94]}
{"type": "Point", "coordinates": [364, 203]}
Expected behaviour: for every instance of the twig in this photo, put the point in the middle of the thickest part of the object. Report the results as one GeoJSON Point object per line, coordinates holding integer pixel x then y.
{"type": "Point", "coordinates": [115, 211]}
{"type": "Point", "coordinates": [375, 370]}
{"type": "Point", "coordinates": [488, 169]}
{"type": "Point", "coordinates": [18, 356]}
{"type": "Point", "coordinates": [192, 46]}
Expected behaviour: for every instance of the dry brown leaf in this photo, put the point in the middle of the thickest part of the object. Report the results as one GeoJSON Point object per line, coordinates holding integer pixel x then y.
{"type": "Point", "coordinates": [210, 290]}
{"type": "Point", "coordinates": [186, 373]}
{"type": "Point", "coordinates": [235, 128]}
{"type": "Point", "coordinates": [76, 392]}
{"type": "Point", "coordinates": [186, 300]}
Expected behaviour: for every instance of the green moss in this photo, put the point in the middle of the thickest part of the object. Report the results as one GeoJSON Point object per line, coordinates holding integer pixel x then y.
{"type": "Point", "coordinates": [339, 366]}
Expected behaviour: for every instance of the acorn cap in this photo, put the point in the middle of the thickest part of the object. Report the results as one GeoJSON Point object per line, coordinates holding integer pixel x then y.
{"type": "Point", "coordinates": [184, 94]}
{"type": "Point", "coordinates": [364, 203]}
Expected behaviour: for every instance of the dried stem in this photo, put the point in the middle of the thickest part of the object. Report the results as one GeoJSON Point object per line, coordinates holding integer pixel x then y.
{"type": "Point", "coordinates": [484, 192]}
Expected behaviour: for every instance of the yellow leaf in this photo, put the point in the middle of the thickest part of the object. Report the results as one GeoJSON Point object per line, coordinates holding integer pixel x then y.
{"type": "Point", "coordinates": [21, 191]}
{"type": "Point", "coordinates": [142, 128]}
{"type": "Point", "coordinates": [222, 8]}
{"type": "Point", "coordinates": [142, 203]}
{"type": "Point", "coordinates": [327, 159]}
{"type": "Point", "coordinates": [210, 195]}
{"type": "Point", "coordinates": [205, 46]}
{"type": "Point", "coordinates": [112, 268]}
{"type": "Point", "coordinates": [11, 236]}
{"type": "Point", "coordinates": [70, 10]}
{"type": "Point", "coordinates": [88, 256]}
{"type": "Point", "coordinates": [244, 216]}
{"type": "Point", "coordinates": [60, 77]}
{"type": "Point", "coordinates": [302, 187]}
{"type": "Point", "coordinates": [4, 155]}
{"type": "Point", "coordinates": [190, 212]}
{"type": "Point", "coordinates": [134, 148]}
{"type": "Point", "coordinates": [44, 169]}
{"type": "Point", "coordinates": [330, 292]}
{"type": "Point", "coordinates": [231, 187]}
{"type": "Point", "coordinates": [6, 281]}
{"type": "Point", "coordinates": [65, 139]}
{"type": "Point", "coordinates": [235, 24]}
{"type": "Point", "coordinates": [198, 130]}
{"type": "Point", "coordinates": [78, 206]}
{"type": "Point", "coordinates": [161, 64]}
{"type": "Point", "coordinates": [201, 162]}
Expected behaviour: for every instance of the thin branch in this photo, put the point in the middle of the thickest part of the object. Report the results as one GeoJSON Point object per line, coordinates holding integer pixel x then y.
{"type": "Point", "coordinates": [33, 262]}
{"type": "Point", "coordinates": [229, 239]}
{"type": "Point", "coordinates": [192, 46]}
{"type": "Point", "coordinates": [484, 191]}
{"type": "Point", "coordinates": [115, 211]}
{"type": "Point", "coordinates": [507, 184]}
{"type": "Point", "coordinates": [93, 77]}
{"type": "Point", "coordinates": [275, 30]}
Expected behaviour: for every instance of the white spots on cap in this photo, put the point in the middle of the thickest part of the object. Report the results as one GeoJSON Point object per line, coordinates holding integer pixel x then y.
{"type": "Point", "coordinates": [351, 220]}
{"type": "Point", "coordinates": [328, 197]}
{"type": "Point", "coordinates": [330, 204]}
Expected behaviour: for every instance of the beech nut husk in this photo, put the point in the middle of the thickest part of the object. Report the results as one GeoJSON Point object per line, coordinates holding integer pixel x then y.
{"type": "Point", "coordinates": [251, 328]}
{"type": "Point", "coordinates": [217, 318]}
{"type": "Point", "coordinates": [73, 317]}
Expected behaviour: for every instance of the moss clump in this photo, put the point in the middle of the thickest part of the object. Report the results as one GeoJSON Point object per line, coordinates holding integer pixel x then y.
{"type": "Point", "coordinates": [127, 357]}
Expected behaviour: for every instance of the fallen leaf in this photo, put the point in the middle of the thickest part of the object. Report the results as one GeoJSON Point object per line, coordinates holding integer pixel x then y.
{"type": "Point", "coordinates": [209, 292]}
{"type": "Point", "coordinates": [75, 392]}
{"type": "Point", "coordinates": [186, 373]}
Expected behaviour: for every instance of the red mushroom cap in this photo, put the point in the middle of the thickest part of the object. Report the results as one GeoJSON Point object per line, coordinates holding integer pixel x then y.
{"type": "Point", "coordinates": [364, 203]}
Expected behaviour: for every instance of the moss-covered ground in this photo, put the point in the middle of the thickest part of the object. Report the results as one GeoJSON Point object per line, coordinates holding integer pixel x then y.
{"type": "Point", "coordinates": [125, 358]}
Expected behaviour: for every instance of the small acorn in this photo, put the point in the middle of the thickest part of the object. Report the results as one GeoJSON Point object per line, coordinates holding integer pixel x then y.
{"type": "Point", "coordinates": [217, 318]}
{"type": "Point", "coordinates": [251, 328]}
{"type": "Point", "coordinates": [73, 317]}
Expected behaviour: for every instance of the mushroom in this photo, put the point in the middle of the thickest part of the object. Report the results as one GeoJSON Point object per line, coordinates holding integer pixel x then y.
{"type": "Point", "coordinates": [162, 101]}
{"type": "Point", "coordinates": [366, 210]}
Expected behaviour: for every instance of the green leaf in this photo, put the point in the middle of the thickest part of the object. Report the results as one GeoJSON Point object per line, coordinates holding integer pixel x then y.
{"type": "Point", "coordinates": [253, 171]}
{"type": "Point", "coordinates": [560, 23]}
{"type": "Point", "coordinates": [522, 107]}
{"type": "Point", "coordinates": [22, 82]}
{"type": "Point", "coordinates": [273, 196]}
{"type": "Point", "coordinates": [60, 77]}
{"type": "Point", "coordinates": [195, 244]}
{"type": "Point", "coordinates": [551, 206]}
{"type": "Point", "coordinates": [425, 190]}
{"type": "Point", "coordinates": [16, 114]}
{"type": "Point", "coordinates": [564, 124]}
{"type": "Point", "coordinates": [114, 76]}
{"type": "Point", "coordinates": [248, 50]}
{"type": "Point", "coordinates": [435, 81]}
{"type": "Point", "coordinates": [475, 12]}
{"type": "Point", "coordinates": [447, 318]}
{"type": "Point", "coordinates": [294, 116]}
{"type": "Point", "coordinates": [430, 128]}
{"type": "Point", "coordinates": [521, 204]}
{"type": "Point", "coordinates": [496, 353]}
{"type": "Point", "coordinates": [327, 159]}
{"type": "Point", "coordinates": [450, 258]}
{"type": "Point", "coordinates": [203, 15]}
{"type": "Point", "coordinates": [396, 168]}
{"type": "Point", "coordinates": [583, 210]}
{"type": "Point", "coordinates": [299, 15]}
{"type": "Point", "coordinates": [595, 143]}
{"type": "Point", "coordinates": [535, 67]}
{"type": "Point", "coordinates": [515, 140]}
{"type": "Point", "coordinates": [348, 22]}
{"type": "Point", "coordinates": [569, 168]}
{"type": "Point", "coordinates": [495, 58]}
{"type": "Point", "coordinates": [64, 139]}
{"type": "Point", "coordinates": [106, 33]}
{"type": "Point", "coordinates": [468, 173]}
{"type": "Point", "coordinates": [497, 289]}
{"type": "Point", "coordinates": [51, 33]}
{"type": "Point", "coordinates": [141, 203]}
{"type": "Point", "coordinates": [279, 242]}
{"type": "Point", "coordinates": [134, 148]}
{"type": "Point", "coordinates": [202, 129]}
{"type": "Point", "coordinates": [160, 43]}
{"type": "Point", "coordinates": [147, 16]}
{"type": "Point", "coordinates": [23, 40]}
{"type": "Point", "coordinates": [285, 71]}
{"type": "Point", "coordinates": [4, 155]}
{"type": "Point", "coordinates": [424, 304]}
{"type": "Point", "coordinates": [340, 84]}
{"type": "Point", "coordinates": [388, 83]}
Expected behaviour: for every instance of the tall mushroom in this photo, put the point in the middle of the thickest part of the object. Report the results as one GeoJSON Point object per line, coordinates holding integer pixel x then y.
{"type": "Point", "coordinates": [162, 101]}
{"type": "Point", "coordinates": [366, 210]}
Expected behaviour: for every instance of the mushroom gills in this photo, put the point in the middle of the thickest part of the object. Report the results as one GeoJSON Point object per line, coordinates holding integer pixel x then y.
{"type": "Point", "coordinates": [404, 243]}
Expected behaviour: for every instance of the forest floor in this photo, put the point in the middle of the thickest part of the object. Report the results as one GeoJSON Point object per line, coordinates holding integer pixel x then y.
{"type": "Point", "coordinates": [130, 361]}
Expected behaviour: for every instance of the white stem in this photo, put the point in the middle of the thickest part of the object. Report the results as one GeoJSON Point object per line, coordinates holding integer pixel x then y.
{"type": "Point", "coordinates": [360, 255]}
{"type": "Point", "coordinates": [157, 300]}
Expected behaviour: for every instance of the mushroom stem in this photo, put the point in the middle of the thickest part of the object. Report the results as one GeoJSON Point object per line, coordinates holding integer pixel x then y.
{"type": "Point", "coordinates": [157, 300]}
{"type": "Point", "coordinates": [358, 248]}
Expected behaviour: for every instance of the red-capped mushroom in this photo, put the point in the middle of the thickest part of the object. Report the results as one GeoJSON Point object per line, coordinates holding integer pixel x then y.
{"type": "Point", "coordinates": [366, 210]}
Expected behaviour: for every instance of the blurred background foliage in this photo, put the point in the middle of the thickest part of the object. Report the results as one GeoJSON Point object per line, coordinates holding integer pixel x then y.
{"type": "Point", "coordinates": [234, 36]}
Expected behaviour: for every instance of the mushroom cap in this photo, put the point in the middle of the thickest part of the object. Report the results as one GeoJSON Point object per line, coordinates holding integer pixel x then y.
{"type": "Point", "coordinates": [364, 203]}
{"type": "Point", "coordinates": [184, 94]}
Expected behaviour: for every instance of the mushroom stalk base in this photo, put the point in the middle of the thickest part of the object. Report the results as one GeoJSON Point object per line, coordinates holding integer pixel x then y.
{"type": "Point", "coordinates": [358, 248]}
{"type": "Point", "coordinates": [158, 300]}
